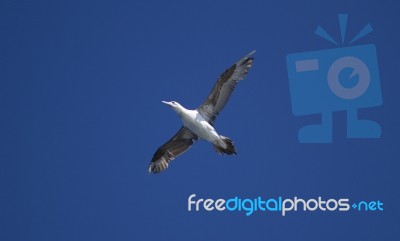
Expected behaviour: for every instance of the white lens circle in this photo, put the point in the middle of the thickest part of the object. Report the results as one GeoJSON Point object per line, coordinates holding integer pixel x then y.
{"type": "Point", "coordinates": [358, 67]}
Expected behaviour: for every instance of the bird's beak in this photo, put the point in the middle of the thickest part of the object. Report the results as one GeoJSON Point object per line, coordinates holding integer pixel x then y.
{"type": "Point", "coordinates": [166, 102]}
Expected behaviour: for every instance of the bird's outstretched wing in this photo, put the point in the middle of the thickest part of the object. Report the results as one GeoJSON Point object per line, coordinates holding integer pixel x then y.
{"type": "Point", "coordinates": [177, 145]}
{"type": "Point", "coordinates": [223, 88]}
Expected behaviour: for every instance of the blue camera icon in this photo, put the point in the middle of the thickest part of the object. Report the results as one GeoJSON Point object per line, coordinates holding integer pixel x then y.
{"type": "Point", "coordinates": [325, 81]}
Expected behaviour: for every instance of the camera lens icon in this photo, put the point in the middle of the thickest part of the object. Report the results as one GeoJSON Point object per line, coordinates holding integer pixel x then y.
{"type": "Point", "coordinates": [345, 78]}
{"type": "Point", "coordinates": [359, 68]}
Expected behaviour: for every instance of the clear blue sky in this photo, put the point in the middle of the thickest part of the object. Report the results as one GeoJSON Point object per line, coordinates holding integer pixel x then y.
{"type": "Point", "coordinates": [81, 84]}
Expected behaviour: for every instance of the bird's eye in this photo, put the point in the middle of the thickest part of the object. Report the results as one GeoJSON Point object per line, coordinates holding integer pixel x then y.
{"type": "Point", "coordinates": [173, 102]}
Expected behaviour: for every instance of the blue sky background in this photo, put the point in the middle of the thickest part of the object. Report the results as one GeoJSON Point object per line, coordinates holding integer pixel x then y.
{"type": "Point", "coordinates": [80, 90]}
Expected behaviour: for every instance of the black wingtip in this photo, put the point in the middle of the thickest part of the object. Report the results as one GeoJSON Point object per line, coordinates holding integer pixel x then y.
{"type": "Point", "coordinates": [157, 167]}
{"type": "Point", "coordinates": [230, 147]}
{"type": "Point", "coordinates": [248, 59]}
{"type": "Point", "coordinates": [251, 53]}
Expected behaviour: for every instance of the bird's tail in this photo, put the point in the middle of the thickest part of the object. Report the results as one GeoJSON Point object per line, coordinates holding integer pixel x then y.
{"type": "Point", "coordinates": [229, 149]}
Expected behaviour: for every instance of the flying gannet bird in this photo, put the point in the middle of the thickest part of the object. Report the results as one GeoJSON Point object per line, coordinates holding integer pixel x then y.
{"type": "Point", "coordinates": [199, 122]}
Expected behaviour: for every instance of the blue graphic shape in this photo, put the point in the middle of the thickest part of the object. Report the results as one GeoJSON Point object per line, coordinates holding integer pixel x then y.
{"type": "Point", "coordinates": [308, 80]}
{"type": "Point", "coordinates": [343, 25]}
{"type": "Point", "coordinates": [366, 30]}
{"type": "Point", "coordinates": [361, 128]}
{"type": "Point", "coordinates": [321, 133]}
{"type": "Point", "coordinates": [315, 82]}
{"type": "Point", "coordinates": [325, 35]}
{"type": "Point", "coordinates": [345, 78]}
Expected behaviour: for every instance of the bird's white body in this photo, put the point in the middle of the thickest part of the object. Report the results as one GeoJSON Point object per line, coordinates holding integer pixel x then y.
{"type": "Point", "coordinates": [193, 120]}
